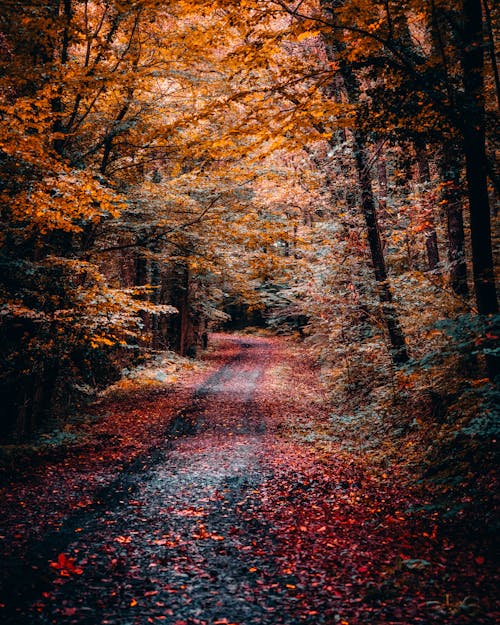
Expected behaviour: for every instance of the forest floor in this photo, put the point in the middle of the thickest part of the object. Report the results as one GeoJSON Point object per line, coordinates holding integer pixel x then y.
{"type": "Point", "coordinates": [198, 504]}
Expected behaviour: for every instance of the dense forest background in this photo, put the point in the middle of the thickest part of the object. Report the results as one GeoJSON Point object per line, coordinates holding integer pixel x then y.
{"type": "Point", "coordinates": [325, 169]}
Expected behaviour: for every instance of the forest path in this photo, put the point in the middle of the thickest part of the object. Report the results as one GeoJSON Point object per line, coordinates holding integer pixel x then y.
{"type": "Point", "coordinates": [181, 535]}
{"type": "Point", "coordinates": [229, 521]}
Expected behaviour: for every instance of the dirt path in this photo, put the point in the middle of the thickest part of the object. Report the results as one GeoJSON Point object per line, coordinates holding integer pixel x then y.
{"type": "Point", "coordinates": [227, 522]}
{"type": "Point", "coordinates": [166, 532]}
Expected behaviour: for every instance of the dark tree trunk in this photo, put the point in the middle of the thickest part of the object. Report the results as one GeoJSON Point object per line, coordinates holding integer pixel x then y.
{"type": "Point", "coordinates": [398, 350]}
{"type": "Point", "coordinates": [108, 141]}
{"type": "Point", "coordinates": [141, 270]}
{"type": "Point", "coordinates": [57, 102]}
{"type": "Point", "coordinates": [450, 166]}
{"type": "Point", "coordinates": [180, 331]}
{"type": "Point", "coordinates": [475, 158]}
{"type": "Point", "coordinates": [431, 242]}
{"type": "Point", "coordinates": [491, 47]}
{"type": "Point", "coordinates": [155, 299]}
{"type": "Point", "coordinates": [141, 278]}
{"type": "Point", "coordinates": [451, 198]}
{"type": "Point", "coordinates": [474, 143]}
{"type": "Point", "coordinates": [184, 313]}
{"type": "Point", "coordinates": [432, 249]}
{"type": "Point", "coordinates": [382, 180]}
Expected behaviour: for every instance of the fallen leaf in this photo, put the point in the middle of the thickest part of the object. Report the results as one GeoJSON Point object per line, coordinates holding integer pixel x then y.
{"type": "Point", "coordinates": [65, 565]}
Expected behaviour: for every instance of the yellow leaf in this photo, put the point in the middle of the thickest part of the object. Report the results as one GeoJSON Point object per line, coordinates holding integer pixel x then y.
{"type": "Point", "coordinates": [308, 35]}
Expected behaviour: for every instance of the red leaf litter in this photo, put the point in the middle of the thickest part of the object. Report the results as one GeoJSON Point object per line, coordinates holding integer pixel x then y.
{"type": "Point", "coordinates": [232, 516]}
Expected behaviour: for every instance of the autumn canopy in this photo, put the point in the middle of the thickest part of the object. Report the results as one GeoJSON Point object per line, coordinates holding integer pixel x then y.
{"type": "Point", "coordinates": [325, 168]}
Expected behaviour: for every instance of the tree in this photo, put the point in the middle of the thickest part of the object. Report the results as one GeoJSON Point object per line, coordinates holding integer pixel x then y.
{"type": "Point", "coordinates": [443, 83]}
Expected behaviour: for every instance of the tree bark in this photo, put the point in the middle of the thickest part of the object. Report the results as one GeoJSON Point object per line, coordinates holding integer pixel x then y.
{"type": "Point", "coordinates": [491, 47]}
{"type": "Point", "coordinates": [57, 102]}
{"type": "Point", "coordinates": [108, 141]}
{"type": "Point", "coordinates": [382, 180]}
{"type": "Point", "coordinates": [184, 313]}
{"type": "Point", "coordinates": [142, 278]}
{"type": "Point", "coordinates": [451, 198]}
{"type": "Point", "coordinates": [474, 145]}
{"type": "Point", "coordinates": [398, 349]}
{"type": "Point", "coordinates": [431, 242]}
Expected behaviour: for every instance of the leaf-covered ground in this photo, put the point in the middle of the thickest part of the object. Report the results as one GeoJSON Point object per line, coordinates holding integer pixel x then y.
{"type": "Point", "coordinates": [198, 505]}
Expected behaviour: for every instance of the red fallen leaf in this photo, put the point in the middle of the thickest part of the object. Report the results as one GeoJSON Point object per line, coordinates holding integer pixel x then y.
{"type": "Point", "coordinates": [123, 539]}
{"type": "Point", "coordinates": [191, 512]}
{"type": "Point", "coordinates": [68, 611]}
{"type": "Point", "coordinates": [65, 565]}
{"type": "Point", "coordinates": [481, 381]}
{"type": "Point", "coordinates": [202, 533]}
{"type": "Point", "coordinates": [168, 589]}
{"type": "Point", "coordinates": [432, 535]}
{"type": "Point", "coordinates": [479, 560]}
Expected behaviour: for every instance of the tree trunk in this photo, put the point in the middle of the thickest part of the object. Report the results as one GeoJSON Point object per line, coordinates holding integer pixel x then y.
{"type": "Point", "coordinates": [141, 278]}
{"type": "Point", "coordinates": [451, 198]}
{"type": "Point", "coordinates": [398, 350]}
{"type": "Point", "coordinates": [431, 242]}
{"type": "Point", "coordinates": [57, 102]}
{"type": "Point", "coordinates": [488, 22]}
{"type": "Point", "coordinates": [155, 299]}
{"type": "Point", "coordinates": [108, 141]}
{"type": "Point", "coordinates": [474, 143]}
{"type": "Point", "coordinates": [184, 313]}
{"type": "Point", "coordinates": [382, 181]}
